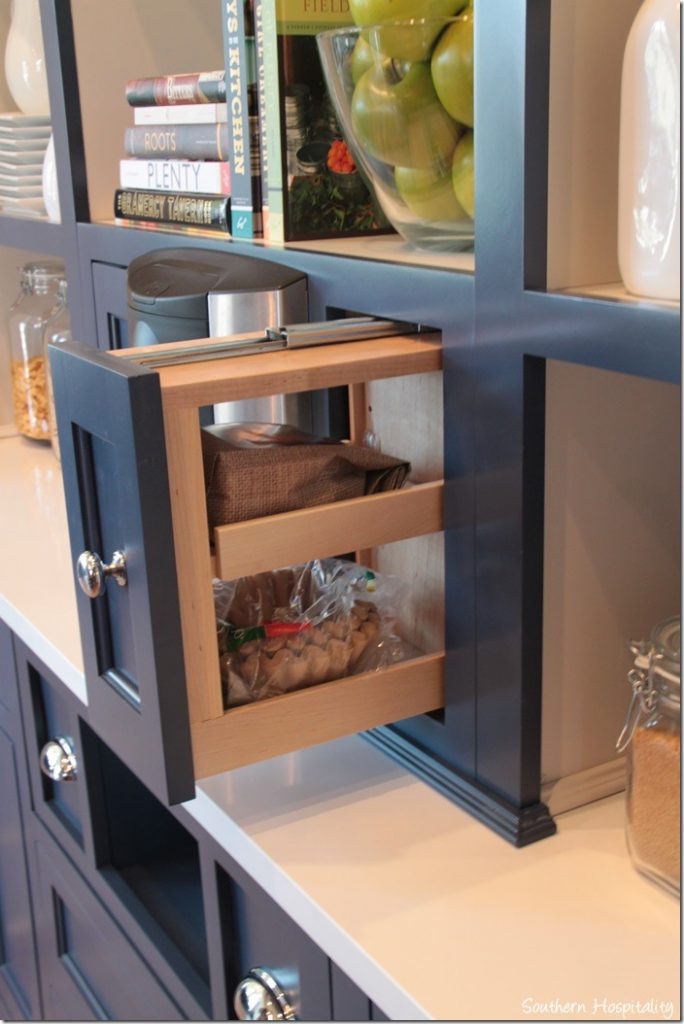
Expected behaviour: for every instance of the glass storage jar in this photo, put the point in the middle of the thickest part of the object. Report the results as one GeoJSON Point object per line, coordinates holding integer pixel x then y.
{"type": "Point", "coordinates": [57, 330]}
{"type": "Point", "coordinates": [37, 302]}
{"type": "Point", "coordinates": [652, 738]}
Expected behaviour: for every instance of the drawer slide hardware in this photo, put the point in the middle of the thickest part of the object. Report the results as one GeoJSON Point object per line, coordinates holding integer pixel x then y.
{"type": "Point", "coordinates": [92, 573]}
{"type": "Point", "coordinates": [273, 339]}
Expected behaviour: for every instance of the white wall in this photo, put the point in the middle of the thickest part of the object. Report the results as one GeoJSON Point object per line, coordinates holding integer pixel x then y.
{"type": "Point", "coordinates": [611, 549]}
{"type": "Point", "coordinates": [587, 44]}
{"type": "Point", "coordinates": [154, 37]}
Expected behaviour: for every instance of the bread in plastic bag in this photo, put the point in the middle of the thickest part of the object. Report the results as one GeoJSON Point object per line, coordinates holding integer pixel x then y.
{"type": "Point", "coordinates": [296, 627]}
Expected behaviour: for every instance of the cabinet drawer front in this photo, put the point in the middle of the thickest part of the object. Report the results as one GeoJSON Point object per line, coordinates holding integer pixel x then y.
{"type": "Point", "coordinates": [348, 1001]}
{"type": "Point", "coordinates": [89, 969]}
{"type": "Point", "coordinates": [111, 304]}
{"type": "Point", "coordinates": [18, 975]}
{"type": "Point", "coordinates": [114, 466]}
{"type": "Point", "coordinates": [8, 686]}
{"type": "Point", "coordinates": [51, 716]}
{"type": "Point", "coordinates": [257, 933]}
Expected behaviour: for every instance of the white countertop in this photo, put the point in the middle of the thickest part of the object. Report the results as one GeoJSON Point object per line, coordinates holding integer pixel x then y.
{"type": "Point", "coordinates": [37, 598]}
{"type": "Point", "coordinates": [429, 912]}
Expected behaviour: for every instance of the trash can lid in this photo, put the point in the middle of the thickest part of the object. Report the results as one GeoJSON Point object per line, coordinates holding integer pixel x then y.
{"type": "Point", "coordinates": [176, 282]}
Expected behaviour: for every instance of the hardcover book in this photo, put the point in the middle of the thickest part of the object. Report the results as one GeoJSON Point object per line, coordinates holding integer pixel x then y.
{"type": "Point", "coordinates": [260, 74]}
{"type": "Point", "coordinates": [209, 212]}
{"type": "Point", "coordinates": [168, 90]}
{"type": "Point", "coordinates": [176, 175]}
{"type": "Point", "coordinates": [314, 189]}
{"type": "Point", "coordinates": [243, 122]}
{"type": "Point", "coordinates": [186, 113]}
{"type": "Point", "coordinates": [178, 141]}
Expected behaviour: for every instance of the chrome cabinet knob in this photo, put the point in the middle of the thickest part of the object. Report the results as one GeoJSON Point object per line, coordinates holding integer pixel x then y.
{"type": "Point", "coordinates": [260, 997]}
{"type": "Point", "coordinates": [58, 760]}
{"type": "Point", "coordinates": [92, 573]}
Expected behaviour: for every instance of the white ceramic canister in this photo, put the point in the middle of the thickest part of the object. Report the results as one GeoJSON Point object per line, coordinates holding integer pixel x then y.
{"type": "Point", "coordinates": [649, 186]}
{"type": "Point", "coordinates": [25, 59]}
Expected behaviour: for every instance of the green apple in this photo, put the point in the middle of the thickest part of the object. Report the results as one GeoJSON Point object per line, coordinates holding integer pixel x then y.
{"type": "Point", "coordinates": [412, 40]}
{"type": "Point", "coordinates": [362, 58]}
{"type": "Point", "coordinates": [398, 119]}
{"type": "Point", "coordinates": [452, 69]}
{"type": "Point", "coordinates": [405, 40]}
{"type": "Point", "coordinates": [428, 194]}
{"type": "Point", "coordinates": [463, 173]}
{"type": "Point", "coordinates": [374, 12]}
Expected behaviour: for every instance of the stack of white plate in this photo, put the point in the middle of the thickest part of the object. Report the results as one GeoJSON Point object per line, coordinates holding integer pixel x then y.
{"type": "Point", "coordinates": [23, 141]}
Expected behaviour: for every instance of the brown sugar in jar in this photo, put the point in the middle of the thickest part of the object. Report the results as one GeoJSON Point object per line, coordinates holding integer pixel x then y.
{"type": "Point", "coordinates": [653, 740]}
{"type": "Point", "coordinates": [654, 802]}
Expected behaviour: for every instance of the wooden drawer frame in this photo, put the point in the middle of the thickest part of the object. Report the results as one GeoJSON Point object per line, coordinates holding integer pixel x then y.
{"type": "Point", "coordinates": [223, 740]}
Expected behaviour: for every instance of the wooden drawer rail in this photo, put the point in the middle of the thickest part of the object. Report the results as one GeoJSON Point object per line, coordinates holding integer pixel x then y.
{"type": "Point", "coordinates": [258, 545]}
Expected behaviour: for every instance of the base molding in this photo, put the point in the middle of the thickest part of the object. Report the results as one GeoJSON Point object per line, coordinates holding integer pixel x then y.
{"type": "Point", "coordinates": [585, 786]}
{"type": "Point", "coordinates": [519, 825]}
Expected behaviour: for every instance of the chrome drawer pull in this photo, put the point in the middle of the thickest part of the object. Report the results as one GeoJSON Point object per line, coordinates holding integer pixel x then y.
{"type": "Point", "coordinates": [92, 573]}
{"type": "Point", "coordinates": [259, 997]}
{"type": "Point", "coordinates": [58, 760]}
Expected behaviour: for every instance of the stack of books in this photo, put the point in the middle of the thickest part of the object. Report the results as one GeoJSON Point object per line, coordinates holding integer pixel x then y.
{"type": "Point", "coordinates": [23, 141]}
{"type": "Point", "coordinates": [177, 170]}
{"type": "Point", "coordinates": [306, 185]}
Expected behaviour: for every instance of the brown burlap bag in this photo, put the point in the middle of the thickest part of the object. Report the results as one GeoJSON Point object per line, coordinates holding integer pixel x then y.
{"type": "Point", "coordinates": [253, 470]}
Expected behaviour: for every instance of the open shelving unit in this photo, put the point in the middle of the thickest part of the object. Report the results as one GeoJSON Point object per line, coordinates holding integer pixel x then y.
{"type": "Point", "coordinates": [532, 293]}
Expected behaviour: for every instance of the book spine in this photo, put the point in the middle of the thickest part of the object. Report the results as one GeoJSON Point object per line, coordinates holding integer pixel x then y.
{"type": "Point", "coordinates": [189, 113]}
{"type": "Point", "coordinates": [209, 212]}
{"type": "Point", "coordinates": [167, 90]}
{"type": "Point", "coordinates": [260, 68]}
{"type": "Point", "coordinates": [178, 141]}
{"type": "Point", "coordinates": [176, 175]}
{"type": "Point", "coordinates": [242, 122]}
{"type": "Point", "coordinates": [275, 142]}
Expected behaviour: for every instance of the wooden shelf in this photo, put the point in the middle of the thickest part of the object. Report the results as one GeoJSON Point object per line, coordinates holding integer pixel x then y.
{"type": "Point", "coordinates": [32, 234]}
{"type": "Point", "coordinates": [318, 714]}
{"type": "Point", "coordinates": [378, 248]}
{"type": "Point", "coordinates": [615, 291]}
{"type": "Point", "coordinates": [271, 542]}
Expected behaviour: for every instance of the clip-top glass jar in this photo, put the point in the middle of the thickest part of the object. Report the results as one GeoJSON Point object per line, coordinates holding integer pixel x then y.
{"type": "Point", "coordinates": [652, 738]}
{"type": "Point", "coordinates": [38, 301]}
{"type": "Point", "coordinates": [57, 331]}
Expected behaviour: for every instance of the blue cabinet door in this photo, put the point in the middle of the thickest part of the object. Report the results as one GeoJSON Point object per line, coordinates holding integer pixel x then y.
{"type": "Point", "coordinates": [117, 491]}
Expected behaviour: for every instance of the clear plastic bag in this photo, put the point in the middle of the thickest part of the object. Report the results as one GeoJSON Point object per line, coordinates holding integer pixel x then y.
{"type": "Point", "coordinates": [296, 627]}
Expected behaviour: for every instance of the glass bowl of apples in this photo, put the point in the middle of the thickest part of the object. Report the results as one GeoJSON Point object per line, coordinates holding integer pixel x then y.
{"type": "Point", "coordinates": [403, 94]}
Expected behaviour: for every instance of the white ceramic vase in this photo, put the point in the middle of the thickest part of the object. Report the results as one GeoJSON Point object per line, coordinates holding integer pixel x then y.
{"type": "Point", "coordinates": [25, 59]}
{"type": "Point", "coordinates": [649, 185]}
{"type": "Point", "coordinates": [50, 193]}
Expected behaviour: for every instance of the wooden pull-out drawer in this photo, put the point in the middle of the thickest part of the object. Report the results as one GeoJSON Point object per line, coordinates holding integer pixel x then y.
{"type": "Point", "coordinates": [135, 483]}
